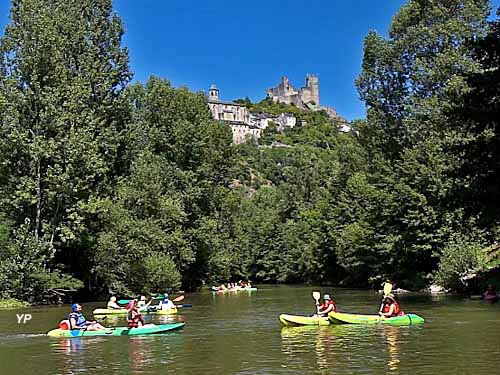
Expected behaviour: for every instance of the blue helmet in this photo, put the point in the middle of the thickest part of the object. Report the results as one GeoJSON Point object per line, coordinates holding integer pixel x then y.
{"type": "Point", "coordinates": [74, 307]}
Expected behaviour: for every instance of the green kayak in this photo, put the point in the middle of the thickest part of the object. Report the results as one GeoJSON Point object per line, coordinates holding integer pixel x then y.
{"type": "Point", "coordinates": [344, 318]}
{"type": "Point", "coordinates": [299, 320]}
{"type": "Point", "coordinates": [142, 310]}
{"type": "Point", "coordinates": [148, 329]}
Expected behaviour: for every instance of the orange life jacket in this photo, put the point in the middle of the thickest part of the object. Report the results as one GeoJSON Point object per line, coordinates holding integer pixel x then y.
{"type": "Point", "coordinates": [387, 308]}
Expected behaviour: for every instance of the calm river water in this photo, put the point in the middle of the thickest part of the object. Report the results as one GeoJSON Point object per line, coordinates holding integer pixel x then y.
{"type": "Point", "coordinates": [241, 334]}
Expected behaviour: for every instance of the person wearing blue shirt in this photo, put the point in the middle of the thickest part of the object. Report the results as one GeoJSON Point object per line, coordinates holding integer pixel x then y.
{"type": "Point", "coordinates": [78, 321]}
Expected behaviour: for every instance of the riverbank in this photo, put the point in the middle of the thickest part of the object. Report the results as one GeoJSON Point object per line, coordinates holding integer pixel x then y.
{"type": "Point", "coordinates": [11, 303]}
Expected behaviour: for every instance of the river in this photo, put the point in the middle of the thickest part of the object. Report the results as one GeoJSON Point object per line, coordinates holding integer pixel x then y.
{"type": "Point", "coordinates": [241, 334]}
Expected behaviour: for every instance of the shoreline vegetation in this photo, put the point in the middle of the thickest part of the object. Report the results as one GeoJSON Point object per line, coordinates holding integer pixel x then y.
{"type": "Point", "coordinates": [11, 303]}
{"type": "Point", "coordinates": [97, 172]}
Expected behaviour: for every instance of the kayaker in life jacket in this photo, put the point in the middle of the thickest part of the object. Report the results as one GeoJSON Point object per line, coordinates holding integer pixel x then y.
{"type": "Point", "coordinates": [165, 303]}
{"type": "Point", "coordinates": [113, 305]}
{"type": "Point", "coordinates": [327, 306]}
{"type": "Point", "coordinates": [134, 317]}
{"type": "Point", "coordinates": [390, 307]}
{"type": "Point", "coordinates": [143, 304]}
{"type": "Point", "coordinates": [490, 293]}
{"type": "Point", "coordinates": [77, 320]}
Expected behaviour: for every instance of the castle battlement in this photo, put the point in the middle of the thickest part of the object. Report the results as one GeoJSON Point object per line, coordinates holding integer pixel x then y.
{"type": "Point", "coordinates": [306, 97]}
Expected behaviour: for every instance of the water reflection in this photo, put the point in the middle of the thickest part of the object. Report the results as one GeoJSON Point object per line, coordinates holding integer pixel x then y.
{"type": "Point", "coordinates": [344, 346]}
{"type": "Point", "coordinates": [325, 349]}
{"type": "Point", "coordinates": [115, 355]}
{"type": "Point", "coordinates": [140, 354]}
{"type": "Point", "coordinates": [393, 338]}
{"type": "Point", "coordinates": [297, 341]}
{"type": "Point", "coordinates": [70, 360]}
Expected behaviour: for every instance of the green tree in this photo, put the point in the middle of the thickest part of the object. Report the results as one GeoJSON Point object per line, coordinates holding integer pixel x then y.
{"type": "Point", "coordinates": [180, 165]}
{"type": "Point", "coordinates": [409, 80]}
{"type": "Point", "coordinates": [62, 71]}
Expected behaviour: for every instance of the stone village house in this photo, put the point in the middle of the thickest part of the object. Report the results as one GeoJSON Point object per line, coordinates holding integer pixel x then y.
{"type": "Point", "coordinates": [245, 125]}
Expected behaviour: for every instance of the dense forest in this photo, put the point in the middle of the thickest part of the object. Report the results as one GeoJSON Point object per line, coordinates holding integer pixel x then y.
{"type": "Point", "coordinates": [109, 186]}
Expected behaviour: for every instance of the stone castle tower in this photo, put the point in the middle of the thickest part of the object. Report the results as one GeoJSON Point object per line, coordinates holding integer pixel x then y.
{"type": "Point", "coordinates": [312, 83]}
{"type": "Point", "coordinates": [305, 97]}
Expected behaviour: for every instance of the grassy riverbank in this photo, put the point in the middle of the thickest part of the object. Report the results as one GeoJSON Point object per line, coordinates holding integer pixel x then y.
{"type": "Point", "coordinates": [12, 303]}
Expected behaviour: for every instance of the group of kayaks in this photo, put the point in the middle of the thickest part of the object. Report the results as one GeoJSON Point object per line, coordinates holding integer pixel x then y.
{"type": "Point", "coordinates": [100, 312]}
{"type": "Point", "coordinates": [237, 289]}
{"type": "Point", "coordinates": [147, 329]}
{"type": "Point", "coordinates": [345, 318]}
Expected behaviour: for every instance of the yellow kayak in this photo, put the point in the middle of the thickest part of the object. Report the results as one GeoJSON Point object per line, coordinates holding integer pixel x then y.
{"type": "Point", "coordinates": [144, 311]}
{"type": "Point", "coordinates": [299, 320]}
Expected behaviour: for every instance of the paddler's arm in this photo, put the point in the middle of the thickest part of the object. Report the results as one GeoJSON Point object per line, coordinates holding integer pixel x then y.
{"type": "Point", "coordinates": [328, 309]}
{"type": "Point", "coordinates": [73, 325]}
{"type": "Point", "coordinates": [389, 313]}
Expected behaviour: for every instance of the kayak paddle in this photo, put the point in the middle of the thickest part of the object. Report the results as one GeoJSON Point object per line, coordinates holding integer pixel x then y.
{"type": "Point", "coordinates": [387, 288]}
{"type": "Point", "coordinates": [387, 291]}
{"type": "Point", "coordinates": [316, 295]}
{"type": "Point", "coordinates": [178, 299]}
{"type": "Point", "coordinates": [97, 321]}
{"type": "Point", "coordinates": [184, 305]}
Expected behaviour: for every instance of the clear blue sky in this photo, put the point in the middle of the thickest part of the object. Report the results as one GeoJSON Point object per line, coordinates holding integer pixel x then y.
{"type": "Point", "coordinates": [246, 46]}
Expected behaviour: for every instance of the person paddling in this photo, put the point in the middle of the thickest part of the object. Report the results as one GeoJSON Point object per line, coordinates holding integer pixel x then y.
{"type": "Point", "coordinates": [77, 320]}
{"type": "Point", "coordinates": [390, 307]}
{"type": "Point", "coordinates": [113, 305]}
{"type": "Point", "coordinates": [134, 316]}
{"type": "Point", "coordinates": [166, 304]}
{"type": "Point", "coordinates": [490, 293]}
{"type": "Point", "coordinates": [327, 306]}
{"type": "Point", "coordinates": [143, 305]}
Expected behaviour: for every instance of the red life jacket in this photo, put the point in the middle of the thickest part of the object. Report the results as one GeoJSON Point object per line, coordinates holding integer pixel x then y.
{"type": "Point", "coordinates": [133, 318]}
{"type": "Point", "coordinates": [387, 308]}
{"type": "Point", "coordinates": [327, 303]}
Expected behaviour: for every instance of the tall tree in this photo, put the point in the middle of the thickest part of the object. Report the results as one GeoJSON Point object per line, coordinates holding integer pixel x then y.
{"type": "Point", "coordinates": [409, 80]}
{"type": "Point", "coordinates": [62, 71]}
{"type": "Point", "coordinates": [479, 116]}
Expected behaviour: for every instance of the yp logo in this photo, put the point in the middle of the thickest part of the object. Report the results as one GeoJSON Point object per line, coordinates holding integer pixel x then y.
{"type": "Point", "coordinates": [23, 318]}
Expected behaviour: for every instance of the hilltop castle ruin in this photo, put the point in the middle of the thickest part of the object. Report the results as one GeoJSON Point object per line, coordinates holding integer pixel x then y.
{"type": "Point", "coordinates": [306, 97]}
{"type": "Point", "coordinates": [245, 124]}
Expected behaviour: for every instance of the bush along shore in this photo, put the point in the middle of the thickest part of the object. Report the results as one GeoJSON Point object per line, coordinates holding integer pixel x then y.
{"type": "Point", "coordinates": [11, 303]}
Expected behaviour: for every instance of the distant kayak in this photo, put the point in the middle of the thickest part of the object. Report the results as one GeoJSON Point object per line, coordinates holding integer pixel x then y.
{"type": "Point", "coordinates": [300, 320]}
{"type": "Point", "coordinates": [148, 329]}
{"type": "Point", "coordinates": [215, 290]}
{"type": "Point", "coordinates": [490, 298]}
{"type": "Point", "coordinates": [143, 311]}
{"type": "Point", "coordinates": [344, 318]}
